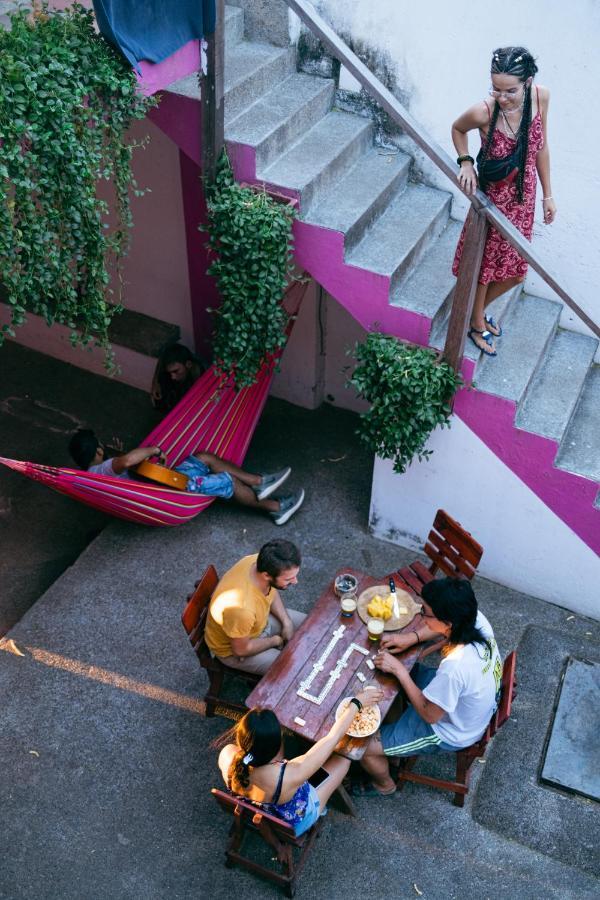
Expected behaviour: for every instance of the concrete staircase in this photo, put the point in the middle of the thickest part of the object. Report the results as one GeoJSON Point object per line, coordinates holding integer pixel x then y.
{"type": "Point", "coordinates": [382, 245]}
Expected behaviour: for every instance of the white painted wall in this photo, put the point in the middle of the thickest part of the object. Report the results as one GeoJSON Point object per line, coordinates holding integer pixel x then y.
{"type": "Point", "coordinates": [527, 547]}
{"type": "Point", "coordinates": [315, 366]}
{"type": "Point", "coordinates": [440, 55]}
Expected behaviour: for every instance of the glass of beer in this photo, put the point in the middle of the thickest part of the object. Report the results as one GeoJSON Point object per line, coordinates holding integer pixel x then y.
{"type": "Point", "coordinates": [375, 629]}
{"type": "Point", "coordinates": [348, 605]}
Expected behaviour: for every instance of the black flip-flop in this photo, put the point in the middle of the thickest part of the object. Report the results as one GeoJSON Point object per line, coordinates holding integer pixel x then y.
{"type": "Point", "coordinates": [491, 324]}
{"type": "Point", "coordinates": [487, 337]}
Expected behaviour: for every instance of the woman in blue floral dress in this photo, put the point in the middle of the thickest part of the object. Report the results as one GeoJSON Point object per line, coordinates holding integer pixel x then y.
{"type": "Point", "coordinates": [254, 766]}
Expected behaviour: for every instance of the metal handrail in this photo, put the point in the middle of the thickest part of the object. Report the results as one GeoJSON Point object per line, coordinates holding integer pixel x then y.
{"type": "Point", "coordinates": [479, 201]}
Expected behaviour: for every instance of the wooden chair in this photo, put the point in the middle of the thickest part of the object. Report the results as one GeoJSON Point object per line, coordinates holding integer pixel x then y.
{"type": "Point", "coordinates": [451, 549]}
{"type": "Point", "coordinates": [466, 757]}
{"type": "Point", "coordinates": [279, 836]}
{"type": "Point", "coordinates": [194, 622]}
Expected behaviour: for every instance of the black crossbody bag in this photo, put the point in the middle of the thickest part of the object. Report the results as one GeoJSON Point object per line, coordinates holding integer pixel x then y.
{"type": "Point", "coordinates": [492, 170]}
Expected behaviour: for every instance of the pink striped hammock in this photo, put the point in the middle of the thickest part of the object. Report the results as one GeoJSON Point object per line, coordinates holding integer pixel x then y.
{"type": "Point", "coordinates": [212, 416]}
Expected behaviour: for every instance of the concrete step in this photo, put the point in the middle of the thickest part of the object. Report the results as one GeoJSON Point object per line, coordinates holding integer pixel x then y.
{"type": "Point", "coordinates": [321, 157]}
{"type": "Point", "coordinates": [234, 25]}
{"type": "Point", "coordinates": [430, 287]}
{"type": "Point", "coordinates": [401, 236]}
{"type": "Point", "coordinates": [554, 391]}
{"type": "Point", "coordinates": [529, 327]}
{"type": "Point", "coordinates": [250, 71]}
{"type": "Point", "coordinates": [281, 116]}
{"type": "Point", "coordinates": [580, 448]}
{"type": "Point", "coordinates": [353, 203]}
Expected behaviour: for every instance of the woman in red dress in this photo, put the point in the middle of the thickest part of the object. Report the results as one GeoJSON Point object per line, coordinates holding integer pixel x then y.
{"type": "Point", "coordinates": [515, 124]}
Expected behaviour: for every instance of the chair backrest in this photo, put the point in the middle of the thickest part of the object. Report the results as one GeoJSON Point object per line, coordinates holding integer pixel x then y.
{"type": "Point", "coordinates": [250, 813]}
{"type": "Point", "coordinates": [196, 611]}
{"type": "Point", "coordinates": [451, 548]}
{"type": "Point", "coordinates": [508, 692]}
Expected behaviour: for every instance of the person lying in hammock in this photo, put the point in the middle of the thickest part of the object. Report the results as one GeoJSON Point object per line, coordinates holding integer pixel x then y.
{"type": "Point", "coordinates": [206, 473]}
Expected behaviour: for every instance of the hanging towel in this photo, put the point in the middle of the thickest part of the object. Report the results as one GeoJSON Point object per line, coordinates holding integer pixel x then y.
{"type": "Point", "coordinates": [153, 29]}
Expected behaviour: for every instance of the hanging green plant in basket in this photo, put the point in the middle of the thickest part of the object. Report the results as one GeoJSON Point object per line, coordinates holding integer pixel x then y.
{"type": "Point", "coordinates": [66, 101]}
{"type": "Point", "coordinates": [251, 237]}
{"type": "Point", "coordinates": [409, 392]}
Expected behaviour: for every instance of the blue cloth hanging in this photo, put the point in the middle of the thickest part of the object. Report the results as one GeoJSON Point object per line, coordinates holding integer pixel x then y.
{"type": "Point", "coordinates": [153, 29]}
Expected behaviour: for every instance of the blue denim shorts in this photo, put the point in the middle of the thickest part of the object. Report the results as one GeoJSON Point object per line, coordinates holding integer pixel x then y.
{"type": "Point", "coordinates": [202, 481]}
{"type": "Point", "coordinates": [411, 735]}
{"type": "Point", "coordinates": [313, 811]}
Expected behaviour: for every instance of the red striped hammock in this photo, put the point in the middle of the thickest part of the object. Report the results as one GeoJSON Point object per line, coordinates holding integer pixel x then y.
{"type": "Point", "coordinates": [212, 416]}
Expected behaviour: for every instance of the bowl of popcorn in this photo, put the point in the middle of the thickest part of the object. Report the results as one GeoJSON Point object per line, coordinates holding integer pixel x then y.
{"type": "Point", "coordinates": [365, 722]}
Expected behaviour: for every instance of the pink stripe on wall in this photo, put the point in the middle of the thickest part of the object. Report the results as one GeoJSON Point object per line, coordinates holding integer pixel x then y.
{"type": "Point", "coordinates": [531, 458]}
{"type": "Point", "coordinates": [203, 290]}
{"type": "Point", "coordinates": [155, 77]}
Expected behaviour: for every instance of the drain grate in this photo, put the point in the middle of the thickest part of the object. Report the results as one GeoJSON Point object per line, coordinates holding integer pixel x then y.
{"type": "Point", "coordinates": [572, 760]}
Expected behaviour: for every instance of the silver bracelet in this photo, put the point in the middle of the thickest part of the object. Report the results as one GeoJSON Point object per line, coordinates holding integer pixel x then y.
{"type": "Point", "coordinates": [547, 198]}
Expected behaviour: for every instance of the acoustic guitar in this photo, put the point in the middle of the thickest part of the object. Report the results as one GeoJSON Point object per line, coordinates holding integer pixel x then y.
{"type": "Point", "coordinates": [162, 475]}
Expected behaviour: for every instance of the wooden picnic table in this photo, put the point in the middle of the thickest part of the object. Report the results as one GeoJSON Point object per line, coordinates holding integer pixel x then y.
{"type": "Point", "coordinates": [278, 688]}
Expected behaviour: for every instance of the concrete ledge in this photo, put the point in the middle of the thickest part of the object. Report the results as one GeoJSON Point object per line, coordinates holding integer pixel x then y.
{"type": "Point", "coordinates": [511, 800]}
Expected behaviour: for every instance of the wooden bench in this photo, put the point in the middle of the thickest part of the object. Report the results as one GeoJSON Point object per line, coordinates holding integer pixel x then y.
{"type": "Point", "coordinates": [194, 621]}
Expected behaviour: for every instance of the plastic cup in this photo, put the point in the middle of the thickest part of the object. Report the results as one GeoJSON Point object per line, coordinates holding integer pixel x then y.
{"type": "Point", "coordinates": [375, 628]}
{"type": "Point", "coordinates": [348, 605]}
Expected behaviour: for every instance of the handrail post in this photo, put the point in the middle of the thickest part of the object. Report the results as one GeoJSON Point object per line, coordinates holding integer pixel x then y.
{"type": "Point", "coordinates": [465, 289]}
{"type": "Point", "coordinates": [212, 96]}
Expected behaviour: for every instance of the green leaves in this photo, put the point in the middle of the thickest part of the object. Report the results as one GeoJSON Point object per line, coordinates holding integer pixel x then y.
{"type": "Point", "coordinates": [409, 392]}
{"type": "Point", "coordinates": [66, 101]}
{"type": "Point", "coordinates": [251, 236]}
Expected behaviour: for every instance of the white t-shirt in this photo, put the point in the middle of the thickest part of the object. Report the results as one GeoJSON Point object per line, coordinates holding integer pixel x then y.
{"type": "Point", "coordinates": [106, 468]}
{"type": "Point", "coordinates": [466, 686]}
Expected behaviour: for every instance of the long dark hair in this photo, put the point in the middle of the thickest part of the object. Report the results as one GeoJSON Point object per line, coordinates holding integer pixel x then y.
{"type": "Point", "coordinates": [258, 736]}
{"type": "Point", "coordinates": [516, 61]}
{"type": "Point", "coordinates": [452, 600]}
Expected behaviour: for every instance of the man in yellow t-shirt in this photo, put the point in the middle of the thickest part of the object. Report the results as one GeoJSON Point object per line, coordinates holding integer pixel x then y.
{"type": "Point", "coordinates": [247, 623]}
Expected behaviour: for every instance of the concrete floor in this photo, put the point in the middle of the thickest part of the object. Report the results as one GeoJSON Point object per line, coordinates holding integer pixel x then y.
{"type": "Point", "coordinates": [105, 750]}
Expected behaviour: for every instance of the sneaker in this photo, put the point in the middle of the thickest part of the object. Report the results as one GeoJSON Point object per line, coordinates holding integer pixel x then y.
{"type": "Point", "coordinates": [287, 507]}
{"type": "Point", "coordinates": [270, 483]}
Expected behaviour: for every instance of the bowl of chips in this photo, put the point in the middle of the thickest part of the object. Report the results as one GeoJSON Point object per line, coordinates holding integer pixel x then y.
{"type": "Point", "coordinates": [365, 722]}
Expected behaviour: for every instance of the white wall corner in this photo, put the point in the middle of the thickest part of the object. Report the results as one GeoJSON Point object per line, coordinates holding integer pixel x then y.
{"type": "Point", "coordinates": [526, 546]}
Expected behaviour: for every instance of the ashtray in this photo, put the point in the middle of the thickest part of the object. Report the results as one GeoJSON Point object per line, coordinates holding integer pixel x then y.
{"type": "Point", "coordinates": [345, 584]}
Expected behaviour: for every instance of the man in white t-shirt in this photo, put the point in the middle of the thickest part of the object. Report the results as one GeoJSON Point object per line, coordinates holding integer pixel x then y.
{"type": "Point", "coordinates": [450, 707]}
{"type": "Point", "coordinates": [206, 474]}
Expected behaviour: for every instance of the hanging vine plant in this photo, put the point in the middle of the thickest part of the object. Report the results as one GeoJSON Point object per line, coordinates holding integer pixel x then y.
{"type": "Point", "coordinates": [251, 237]}
{"type": "Point", "coordinates": [66, 101]}
{"type": "Point", "coordinates": [409, 392]}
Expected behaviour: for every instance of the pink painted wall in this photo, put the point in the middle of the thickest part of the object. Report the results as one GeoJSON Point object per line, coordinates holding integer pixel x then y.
{"type": "Point", "coordinates": [156, 272]}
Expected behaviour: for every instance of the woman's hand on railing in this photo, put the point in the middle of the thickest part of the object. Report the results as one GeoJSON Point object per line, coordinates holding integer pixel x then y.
{"type": "Point", "coordinates": [549, 210]}
{"type": "Point", "coordinates": [467, 178]}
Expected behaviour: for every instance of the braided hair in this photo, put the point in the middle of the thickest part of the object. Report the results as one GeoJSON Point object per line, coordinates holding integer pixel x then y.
{"type": "Point", "coordinates": [516, 61]}
{"type": "Point", "coordinates": [258, 736]}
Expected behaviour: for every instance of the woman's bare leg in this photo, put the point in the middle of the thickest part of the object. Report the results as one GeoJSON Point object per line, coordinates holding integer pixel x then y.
{"type": "Point", "coordinates": [484, 295]}
{"type": "Point", "coordinates": [337, 766]}
{"type": "Point", "coordinates": [497, 288]}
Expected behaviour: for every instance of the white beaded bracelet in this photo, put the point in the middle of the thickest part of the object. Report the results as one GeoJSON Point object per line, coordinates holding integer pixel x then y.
{"type": "Point", "coordinates": [547, 198]}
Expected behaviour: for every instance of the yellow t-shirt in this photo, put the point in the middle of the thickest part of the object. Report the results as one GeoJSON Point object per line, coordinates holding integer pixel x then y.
{"type": "Point", "coordinates": [237, 608]}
